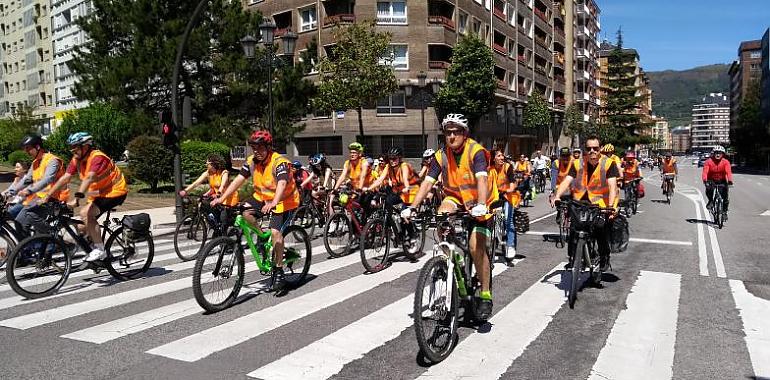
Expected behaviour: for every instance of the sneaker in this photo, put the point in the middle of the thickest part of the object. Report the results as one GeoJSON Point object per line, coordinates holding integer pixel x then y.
{"type": "Point", "coordinates": [604, 264]}
{"type": "Point", "coordinates": [280, 280]}
{"type": "Point", "coordinates": [510, 253]}
{"type": "Point", "coordinates": [483, 309]}
{"type": "Point", "coordinates": [412, 246]}
{"type": "Point", "coordinates": [95, 254]}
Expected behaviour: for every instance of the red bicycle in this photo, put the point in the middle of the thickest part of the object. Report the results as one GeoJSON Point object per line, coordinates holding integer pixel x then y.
{"type": "Point", "coordinates": [344, 227]}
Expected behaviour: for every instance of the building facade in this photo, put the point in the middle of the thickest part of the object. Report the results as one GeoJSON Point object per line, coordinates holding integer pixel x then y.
{"type": "Point", "coordinates": [765, 81]}
{"type": "Point", "coordinates": [661, 133]}
{"type": "Point", "coordinates": [681, 140]}
{"type": "Point", "coordinates": [711, 122]}
{"type": "Point", "coordinates": [743, 71]}
{"type": "Point", "coordinates": [66, 36]}
{"type": "Point", "coordinates": [532, 42]}
{"type": "Point", "coordinates": [26, 59]}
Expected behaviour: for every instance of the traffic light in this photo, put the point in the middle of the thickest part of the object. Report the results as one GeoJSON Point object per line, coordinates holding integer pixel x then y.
{"type": "Point", "coordinates": [167, 129]}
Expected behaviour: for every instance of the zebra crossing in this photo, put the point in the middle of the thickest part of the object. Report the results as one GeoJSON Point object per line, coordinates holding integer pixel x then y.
{"type": "Point", "coordinates": [640, 342]}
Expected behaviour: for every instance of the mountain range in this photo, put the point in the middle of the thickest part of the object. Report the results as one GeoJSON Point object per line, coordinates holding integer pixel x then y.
{"type": "Point", "coordinates": [675, 92]}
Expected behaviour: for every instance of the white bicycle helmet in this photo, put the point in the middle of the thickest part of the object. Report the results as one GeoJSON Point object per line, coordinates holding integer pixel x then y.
{"type": "Point", "coordinates": [428, 153]}
{"type": "Point", "coordinates": [455, 118]}
{"type": "Point", "coordinates": [718, 149]}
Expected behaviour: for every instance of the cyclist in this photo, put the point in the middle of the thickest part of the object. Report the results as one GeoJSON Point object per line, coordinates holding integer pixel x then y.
{"type": "Point", "coordinates": [463, 163]}
{"type": "Point", "coordinates": [593, 179]}
{"type": "Point", "coordinates": [218, 178]}
{"type": "Point", "coordinates": [355, 169]}
{"type": "Point", "coordinates": [20, 169]}
{"type": "Point", "coordinates": [524, 168]}
{"type": "Point", "coordinates": [321, 177]}
{"type": "Point", "coordinates": [717, 170]}
{"type": "Point", "coordinates": [609, 151]}
{"type": "Point", "coordinates": [502, 178]}
{"type": "Point", "coordinates": [101, 184]}
{"type": "Point", "coordinates": [274, 190]}
{"type": "Point", "coordinates": [540, 165]}
{"type": "Point", "coordinates": [300, 175]}
{"type": "Point", "coordinates": [631, 170]}
{"type": "Point", "coordinates": [560, 167]}
{"type": "Point", "coordinates": [577, 154]}
{"type": "Point", "coordinates": [427, 156]}
{"type": "Point", "coordinates": [668, 166]}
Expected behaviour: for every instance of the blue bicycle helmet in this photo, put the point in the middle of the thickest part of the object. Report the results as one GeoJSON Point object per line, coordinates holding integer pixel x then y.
{"type": "Point", "coordinates": [318, 159]}
{"type": "Point", "coordinates": [79, 138]}
{"type": "Point", "coordinates": [296, 164]}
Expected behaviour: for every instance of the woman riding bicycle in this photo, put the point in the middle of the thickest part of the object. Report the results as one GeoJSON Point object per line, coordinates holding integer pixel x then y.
{"type": "Point", "coordinates": [501, 175]}
{"type": "Point", "coordinates": [218, 179]}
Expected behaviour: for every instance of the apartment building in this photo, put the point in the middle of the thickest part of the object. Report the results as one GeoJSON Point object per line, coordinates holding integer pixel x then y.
{"type": "Point", "coordinates": [681, 140]}
{"type": "Point", "coordinates": [743, 71]}
{"type": "Point", "coordinates": [765, 81]}
{"type": "Point", "coordinates": [711, 122]}
{"type": "Point", "coordinates": [66, 36]}
{"type": "Point", "coordinates": [661, 133]}
{"type": "Point", "coordinates": [531, 42]}
{"type": "Point", "coordinates": [26, 59]}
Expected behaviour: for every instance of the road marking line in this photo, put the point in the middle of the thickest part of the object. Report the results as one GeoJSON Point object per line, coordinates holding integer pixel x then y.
{"type": "Point", "coordinates": [716, 252]}
{"type": "Point", "coordinates": [636, 240]}
{"type": "Point", "coordinates": [756, 326]}
{"type": "Point", "coordinates": [766, 213]}
{"type": "Point", "coordinates": [326, 357]}
{"type": "Point", "coordinates": [641, 342]}
{"type": "Point", "coordinates": [200, 345]}
{"type": "Point", "coordinates": [143, 321]}
{"type": "Point", "coordinates": [543, 217]}
{"type": "Point", "coordinates": [692, 194]}
{"type": "Point", "coordinates": [516, 326]}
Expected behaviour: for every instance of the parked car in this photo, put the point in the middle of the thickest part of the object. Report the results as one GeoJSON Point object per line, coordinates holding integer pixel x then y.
{"type": "Point", "coordinates": [702, 161]}
{"type": "Point", "coordinates": [695, 161]}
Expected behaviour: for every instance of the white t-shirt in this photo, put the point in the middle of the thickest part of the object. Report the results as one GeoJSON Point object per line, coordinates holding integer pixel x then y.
{"type": "Point", "coordinates": [540, 162]}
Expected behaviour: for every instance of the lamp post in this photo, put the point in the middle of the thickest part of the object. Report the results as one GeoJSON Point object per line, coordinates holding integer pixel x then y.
{"type": "Point", "coordinates": [289, 41]}
{"type": "Point", "coordinates": [507, 109]}
{"type": "Point", "coordinates": [518, 115]}
{"type": "Point", "coordinates": [421, 86]}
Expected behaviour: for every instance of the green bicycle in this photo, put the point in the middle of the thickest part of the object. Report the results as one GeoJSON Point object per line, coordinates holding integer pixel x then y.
{"type": "Point", "coordinates": [220, 268]}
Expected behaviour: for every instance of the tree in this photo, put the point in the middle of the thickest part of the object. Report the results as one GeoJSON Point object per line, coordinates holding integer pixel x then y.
{"type": "Point", "coordinates": [536, 112]}
{"type": "Point", "coordinates": [574, 125]}
{"type": "Point", "coordinates": [14, 129]}
{"type": "Point", "coordinates": [357, 72]}
{"type": "Point", "coordinates": [621, 105]}
{"type": "Point", "coordinates": [149, 161]}
{"type": "Point", "coordinates": [750, 136]}
{"type": "Point", "coordinates": [470, 81]}
{"type": "Point", "coordinates": [110, 127]}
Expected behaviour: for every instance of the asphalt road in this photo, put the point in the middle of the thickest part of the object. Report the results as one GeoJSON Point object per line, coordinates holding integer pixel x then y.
{"type": "Point", "coordinates": [685, 301]}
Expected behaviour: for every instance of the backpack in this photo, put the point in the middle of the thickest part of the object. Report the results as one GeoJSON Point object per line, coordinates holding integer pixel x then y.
{"type": "Point", "coordinates": [619, 234]}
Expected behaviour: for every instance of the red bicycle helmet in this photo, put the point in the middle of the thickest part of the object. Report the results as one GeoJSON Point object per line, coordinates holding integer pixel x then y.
{"type": "Point", "coordinates": [261, 137]}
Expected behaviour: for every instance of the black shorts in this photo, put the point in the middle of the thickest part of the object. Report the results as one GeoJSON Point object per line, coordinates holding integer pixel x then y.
{"type": "Point", "coordinates": [277, 221]}
{"type": "Point", "coordinates": [107, 204]}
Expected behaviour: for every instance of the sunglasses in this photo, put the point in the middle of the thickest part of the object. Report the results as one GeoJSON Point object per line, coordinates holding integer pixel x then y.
{"type": "Point", "coordinates": [454, 132]}
{"type": "Point", "coordinates": [593, 148]}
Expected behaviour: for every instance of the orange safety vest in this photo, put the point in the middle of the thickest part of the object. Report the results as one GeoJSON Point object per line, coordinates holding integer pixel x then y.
{"type": "Point", "coordinates": [563, 169]}
{"type": "Point", "coordinates": [263, 178]}
{"type": "Point", "coordinates": [354, 174]}
{"type": "Point", "coordinates": [215, 182]}
{"type": "Point", "coordinates": [109, 184]}
{"type": "Point", "coordinates": [522, 167]}
{"type": "Point", "coordinates": [397, 183]}
{"type": "Point", "coordinates": [460, 184]}
{"type": "Point", "coordinates": [597, 186]}
{"type": "Point", "coordinates": [500, 181]}
{"type": "Point", "coordinates": [630, 170]}
{"type": "Point", "coordinates": [38, 171]}
{"type": "Point", "coordinates": [668, 168]}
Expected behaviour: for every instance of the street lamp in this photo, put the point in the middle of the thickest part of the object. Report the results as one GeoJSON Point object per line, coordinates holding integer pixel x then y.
{"type": "Point", "coordinates": [421, 84]}
{"type": "Point", "coordinates": [508, 107]}
{"type": "Point", "coordinates": [289, 41]}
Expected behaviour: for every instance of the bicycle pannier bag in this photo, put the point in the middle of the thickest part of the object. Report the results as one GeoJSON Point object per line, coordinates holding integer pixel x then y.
{"type": "Point", "coordinates": [619, 234]}
{"type": "Point", "coordinates": [640, 190]}
{"type": "Point", "coordinates": [138, 225]}
{"type": "Point", "coordinates": [521, 220]}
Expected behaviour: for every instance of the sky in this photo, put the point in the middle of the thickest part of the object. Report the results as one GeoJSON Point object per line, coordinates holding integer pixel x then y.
{"type": "Point", "coordinates": [682, 34]}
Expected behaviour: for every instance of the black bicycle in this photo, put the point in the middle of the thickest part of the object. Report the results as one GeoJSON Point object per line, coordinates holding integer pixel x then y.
{"type": "Point", "coordinates": [585, 218]}
{"type": "Point", "coordinates": [40, 264]}
{"type": "Point", "coordinates": [200, 224]}
{"type": "Point", "coordinates": [668, 186]}
{"type": "Point", "coordinates": [10, 231]}
{"type": "Point", "coordinates": [717, 208]}
{"type": "Point", "coordinates": [631, 200]}
{"type": "Point", "coordinates": [539, 180]}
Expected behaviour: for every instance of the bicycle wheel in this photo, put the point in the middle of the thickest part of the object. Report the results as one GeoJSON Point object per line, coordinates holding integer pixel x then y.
{"type": "Point", "coordinates": [577, 267]}
{"type": "Point", "coordinates": [125, 258]}
{"type": "Point", "coordinates": [7, 243]}
{"type": "Point", "coordinates": [375, 245]}
{"type": "Point", "coordinates": [190, 236]}
{"type": "Point", "coordinates": [297, 255]}
{"type": "Point", "coordinates": [218, 274]}
{"type": "Point", "coordinates": [38, 266]}
{"type": "Point", "coordinates": [435, 322]}
{"type": "Point", "coordinates": [718, 213]}
{"type": "Point", "coordinates": [306, 218]}
{"type": "Point", "coordinates": [420, 226]}
{"type": "Point", "coordinates": [338, 235]}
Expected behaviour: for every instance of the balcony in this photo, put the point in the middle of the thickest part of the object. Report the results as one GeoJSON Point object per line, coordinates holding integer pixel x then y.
{"type": "Point", "coordinates": [583, 32]}
{"type": "Point", "coordinates": [502, 84]}
{"type": "Point", "coordinates": [522, 59]}
{"type": "Point", "coordinates": [339, 19]}
{"type": "Point", "coordinates": [499, 48]}
{"type": "Point", "coordinates": [526, 3]}
{"type": "Point", "coordinates": [583, 9]}
{"type": "Point", "coordinates": [523, 90]}
{"type": "Point", "coordinates": [582, 75]}
{"type": "Point", "coordinates": [542, 42]}
{"type": "Point", "coordinates": [558, 101]}
{"type": "Point", "coordinates": [581, 53]}
{"type": "Point", "coordinates": [500, 13]}
{"type": "Point", "coordinates": [583, 97]}
{"type": "Point", "coordinates": [443, 21]}
{"type": "Point", "coordinates": [542, 15]}
{"type": "Point", "coordinates": [438, 65]}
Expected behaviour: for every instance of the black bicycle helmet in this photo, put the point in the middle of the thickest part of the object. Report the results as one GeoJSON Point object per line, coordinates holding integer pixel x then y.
{"type": "Point", "coordinates": [31, 140]}
{"type": "Point", "coordinates": [395, 151]}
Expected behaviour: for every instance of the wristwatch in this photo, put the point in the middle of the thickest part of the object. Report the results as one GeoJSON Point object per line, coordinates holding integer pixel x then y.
{"type": "Point", "coordinates": [80, 195]}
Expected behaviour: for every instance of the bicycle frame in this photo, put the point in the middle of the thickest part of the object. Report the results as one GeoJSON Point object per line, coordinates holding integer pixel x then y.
{"type": "Point", "coordinates": [265, 238]}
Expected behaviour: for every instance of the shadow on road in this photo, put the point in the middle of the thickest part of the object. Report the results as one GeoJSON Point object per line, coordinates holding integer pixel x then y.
{"type": "Point", "coordinates": [701, 221]}
{"type": "Point", "coordinates": [658, 201]}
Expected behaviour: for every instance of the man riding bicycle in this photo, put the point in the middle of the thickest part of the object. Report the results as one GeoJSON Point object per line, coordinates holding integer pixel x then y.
{"type": "Point", "coordinates": [717, 170]}
{"type": "Point", "coordinates": [44, 171]}
{"type": "Point", "coordinates": [561, 167]}
{"type": "Point", "coordinates": [356, 169]}
{"type": "Point", "coordinates": [540, 165]}
{"type": "Point", "coordinates": [274, 190]}
{"type": "Point", "coordinates": [101, 184]}
{"type": "Point", "coordinates": [631, 170]}
{"type": "Point", "coordinates": [463, 164]}
{"type": "Point", "coordinates": [669, 170]}
{"type": "Point", "coordinates": [592, 179]}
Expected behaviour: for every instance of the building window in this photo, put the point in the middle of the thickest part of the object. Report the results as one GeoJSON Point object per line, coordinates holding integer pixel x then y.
{"type": "Point", "coordinates": [309, 21]}
{"type": "Point", "coordinates": [477, 27]}
{"type": "Point", "coordinates": [756, 54]}
{"type": "Point", "coordinates": [399, 56]}
{"type": "Point", "coordinates": [391, 12]}
{"type": "Point", "coordinates": [462, 23]}
{"type": "Point", "coordinates": [393, 104]}
{"type": "Point", "coordinates": [376, 145]}
{"type": "Point", "coordinates": [331, 145]}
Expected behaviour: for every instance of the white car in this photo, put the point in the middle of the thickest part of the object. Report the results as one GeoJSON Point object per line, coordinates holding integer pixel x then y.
{"type": "Point", "coordinates": [695, 161]}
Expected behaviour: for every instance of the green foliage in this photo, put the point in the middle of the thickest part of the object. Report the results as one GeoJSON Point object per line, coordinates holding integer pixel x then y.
{"type": "Point", "coordinates": [149, 161]}
{"type": "Point", "coordinates": [676, 91]}
{"type": "Point", "coordinates": [246, 191]}
{"type": "Point", "coordinates": [574, 125]}
{"type": "Point", "coordinates": [751, 136]}
{"type": "Point", "coordinates": [13, 130]}
{"type": "Point", "coordinates": [18, 156]}
{"type": "Point", "coordinates": [536, 113]}
{"type": "Point", "coordinates": [195, 153]}
{"type": "Point", "coordinates": [470, 81]}
{"type": "Point", "coordinates": [110, 128]}
{"type": "Point", "coordinates": [357, 72]}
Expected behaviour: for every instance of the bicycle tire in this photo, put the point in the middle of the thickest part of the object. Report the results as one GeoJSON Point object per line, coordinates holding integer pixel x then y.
{"type": "Point", "coordinates": [188, 230]}
{"type": "Point", "coordinates": [295, 278]}
{"type": "Point", "coordinates": [421, 230]}
{"type": "Point", "coordinates": [376, 233]}
{"type": "Point", "coordinates": [306, 218]}
{"type": "Point", "coordinates": [341, 225]}
{"type": "Point", "coordinates": [16, 262]}
{"type": "Point", "coordinates": [577, 267]}
{"type": "Point", "coordinates": [118, 265]}
{"type": "Point", "coordinates": [433, 354]}
{"type": "Point", "coordinates": [7, 243]}
{"type": "Point", "coordinates": [226, 245]}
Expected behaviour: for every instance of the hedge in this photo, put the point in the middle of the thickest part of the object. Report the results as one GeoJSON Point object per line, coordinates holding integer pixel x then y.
{"type": "Point", "coordinates": [149, 161]}
{"type": "Point", "coordinates": [195, 153]}
{"type": "Point", "coordinates": [18, 155]}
